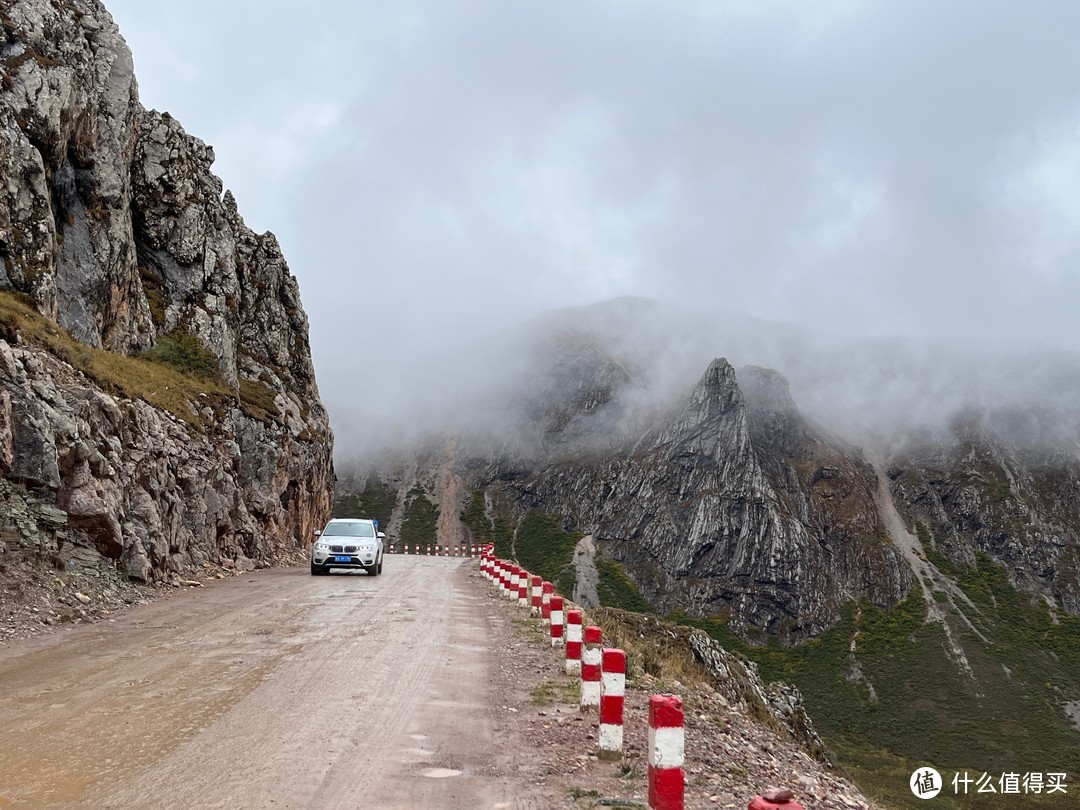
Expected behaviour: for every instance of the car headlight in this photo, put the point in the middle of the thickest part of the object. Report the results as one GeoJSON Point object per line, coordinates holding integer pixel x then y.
{"type": "Point", "coordinates": [323, 546]}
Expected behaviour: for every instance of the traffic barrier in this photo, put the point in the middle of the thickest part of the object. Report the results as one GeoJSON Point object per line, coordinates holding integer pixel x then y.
{"type": "Point", "coordinates": [515, 583]}
{"type": "Point", "coordinates": [667, 743]}
{"type": "Point", "coordinates": [574, 619]}
{"type": "Point", "coordinates": [547, 589]}
{"type": "Point", "coordinates": [556, 621]}
{"type": "Point", "coordinates": [537, 594]}
{"type": "Point", "coordinates": [612, 696]}
{"type": "Point", "coordinates": [511, 582]}
{"type": "Point", "coordinates": [523, 588]}
{"type": "Point", "coordinates": [590, 669]}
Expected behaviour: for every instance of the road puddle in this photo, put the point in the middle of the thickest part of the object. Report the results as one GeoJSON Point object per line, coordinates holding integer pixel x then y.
{"type": "Point", "coordinates": [441, 773]}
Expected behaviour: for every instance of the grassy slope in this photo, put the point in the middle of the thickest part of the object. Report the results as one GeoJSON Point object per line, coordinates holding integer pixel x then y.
{"type": "Point", "coordinates": [925, 709]}
{"type": "Point", "coordinates": [376, 501]}
{"type": "Point", "coordinates": [175, 375]}
{"type": "Point", "coordinates": [545, 549]}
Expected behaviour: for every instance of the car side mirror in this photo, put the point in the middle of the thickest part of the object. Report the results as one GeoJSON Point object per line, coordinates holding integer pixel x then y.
{"type": "Point", "coordinates": [380, 535]}
{"type": "Point", "coordinates": [318, 532]}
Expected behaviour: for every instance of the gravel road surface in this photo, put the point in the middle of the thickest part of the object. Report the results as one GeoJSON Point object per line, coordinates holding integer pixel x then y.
{"type": "Point", "coordinates": [271, 690]}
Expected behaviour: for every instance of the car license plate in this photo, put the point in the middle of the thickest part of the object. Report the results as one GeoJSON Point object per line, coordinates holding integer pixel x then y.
{"type": "Point", "coordinates": [342, 558]}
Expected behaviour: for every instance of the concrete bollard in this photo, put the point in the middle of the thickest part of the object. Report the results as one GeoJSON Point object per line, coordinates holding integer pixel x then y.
{"type": "Point", "coordinates": [667, 744]}
{"type": "Point", "coordinates": [537, 594]}
{"type": "Point", "coordinates": [547, 589]}
{"type": "Point", "coordinates": [556, 621]}
{"type": "Point", "coordinates": [574, 619]}
{"type": "Point", "coordinates": [512, 583]}
{"type": "Point", "coordinates": [523, 588]}
{"type": "Point", "coordinates": [612, 696]}
{"type": "Point", "coordinates": [590, 668]}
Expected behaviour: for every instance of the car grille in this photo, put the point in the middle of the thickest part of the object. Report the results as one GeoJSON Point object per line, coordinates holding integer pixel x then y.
{"type": "Point", "coordinates": [343, 549]}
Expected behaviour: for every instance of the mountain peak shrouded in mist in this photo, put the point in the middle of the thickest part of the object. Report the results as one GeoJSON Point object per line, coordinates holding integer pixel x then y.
{"type": "Point", "coordinates": [863, 390]}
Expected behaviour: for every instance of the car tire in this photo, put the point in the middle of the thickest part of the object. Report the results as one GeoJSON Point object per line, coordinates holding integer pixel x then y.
{"type": "Point", "coordinates": [317, 570]}
{"type": "Point", "coordinates": [378, 570]}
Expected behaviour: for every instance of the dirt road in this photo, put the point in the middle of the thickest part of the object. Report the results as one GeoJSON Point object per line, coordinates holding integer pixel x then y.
{"type": "Point", "coordinates": [275, 689]}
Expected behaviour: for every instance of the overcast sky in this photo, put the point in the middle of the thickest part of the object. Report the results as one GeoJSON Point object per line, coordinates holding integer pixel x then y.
{"type": "Point", "coordinates": [435, 167]}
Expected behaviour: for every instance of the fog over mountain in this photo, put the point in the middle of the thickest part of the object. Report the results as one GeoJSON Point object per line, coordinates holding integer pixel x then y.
{"type": "Point", "coordinates": [866, 390]}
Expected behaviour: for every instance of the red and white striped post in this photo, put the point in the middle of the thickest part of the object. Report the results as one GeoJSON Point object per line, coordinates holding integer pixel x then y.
{"type": "Point", "coordinates": [514, 584]}
{"type": "Point", "coordinates": [547, 589]}
{"type": "Point", "coordinates": [537, 594]}
{"type": "Point", "coordinates": [523, 588]}
{"type": "Point", "coordinates": [590, 668]}
{"type": "Point", "coordinates": [556, 621]}
{"type": "Point", "coordinates": [574, 620]}
{"type": "Point", "coordinates": [504, 580]}
{"type": "Point", "coordinates": [667, 745]}
{"type": "Point", "coordinates": [612, 695]}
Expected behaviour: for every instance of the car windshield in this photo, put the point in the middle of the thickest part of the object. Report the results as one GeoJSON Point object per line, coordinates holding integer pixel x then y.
{"type": "Point", "coordinates": [349, 530]}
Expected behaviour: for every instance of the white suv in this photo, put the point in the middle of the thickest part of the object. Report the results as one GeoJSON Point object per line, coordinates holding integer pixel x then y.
{"type": "Point", "coordinates": [348, 543]}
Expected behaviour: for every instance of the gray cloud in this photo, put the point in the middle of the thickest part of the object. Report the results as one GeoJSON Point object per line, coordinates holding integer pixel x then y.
{"type": "Point", "coordinates": [436, 171]}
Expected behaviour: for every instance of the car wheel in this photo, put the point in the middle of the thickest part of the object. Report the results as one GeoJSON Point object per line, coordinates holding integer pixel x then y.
{"type": "Point", "coordinates": [378, 570]}
{"type": "Point", "coordinates": [317, 570]}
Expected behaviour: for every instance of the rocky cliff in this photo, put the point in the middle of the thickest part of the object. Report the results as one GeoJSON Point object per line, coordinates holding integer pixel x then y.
{"type": "Point", "coordinates": [726, 501]}
{"type": "Point", "coordinates": [730, 505]}
{"type": "Point", "coordinates": [158, 402]}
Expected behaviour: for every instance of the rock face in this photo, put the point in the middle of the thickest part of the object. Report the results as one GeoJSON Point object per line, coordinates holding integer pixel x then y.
{"type": "Point", "coordinates": [113, 228]}
{"type": "Point", "coordinates": [731, 503]}
{"type": "Point", "coordinates": [982, 489]}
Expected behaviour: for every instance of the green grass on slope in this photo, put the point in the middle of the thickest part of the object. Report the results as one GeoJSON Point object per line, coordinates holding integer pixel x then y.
{"type": "Point", "coordinates": [617, 590]}
{"type": "Point", "coordinates": [544, 548]}
{"type": "Point", "coordinates": [484, 530]}
{"type": "Point", "coordinates": [376, 501]}
{"type": "Point", "coordinates": [1007, 715]}
{"type": "Point", "coordinates": [420, 520]}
